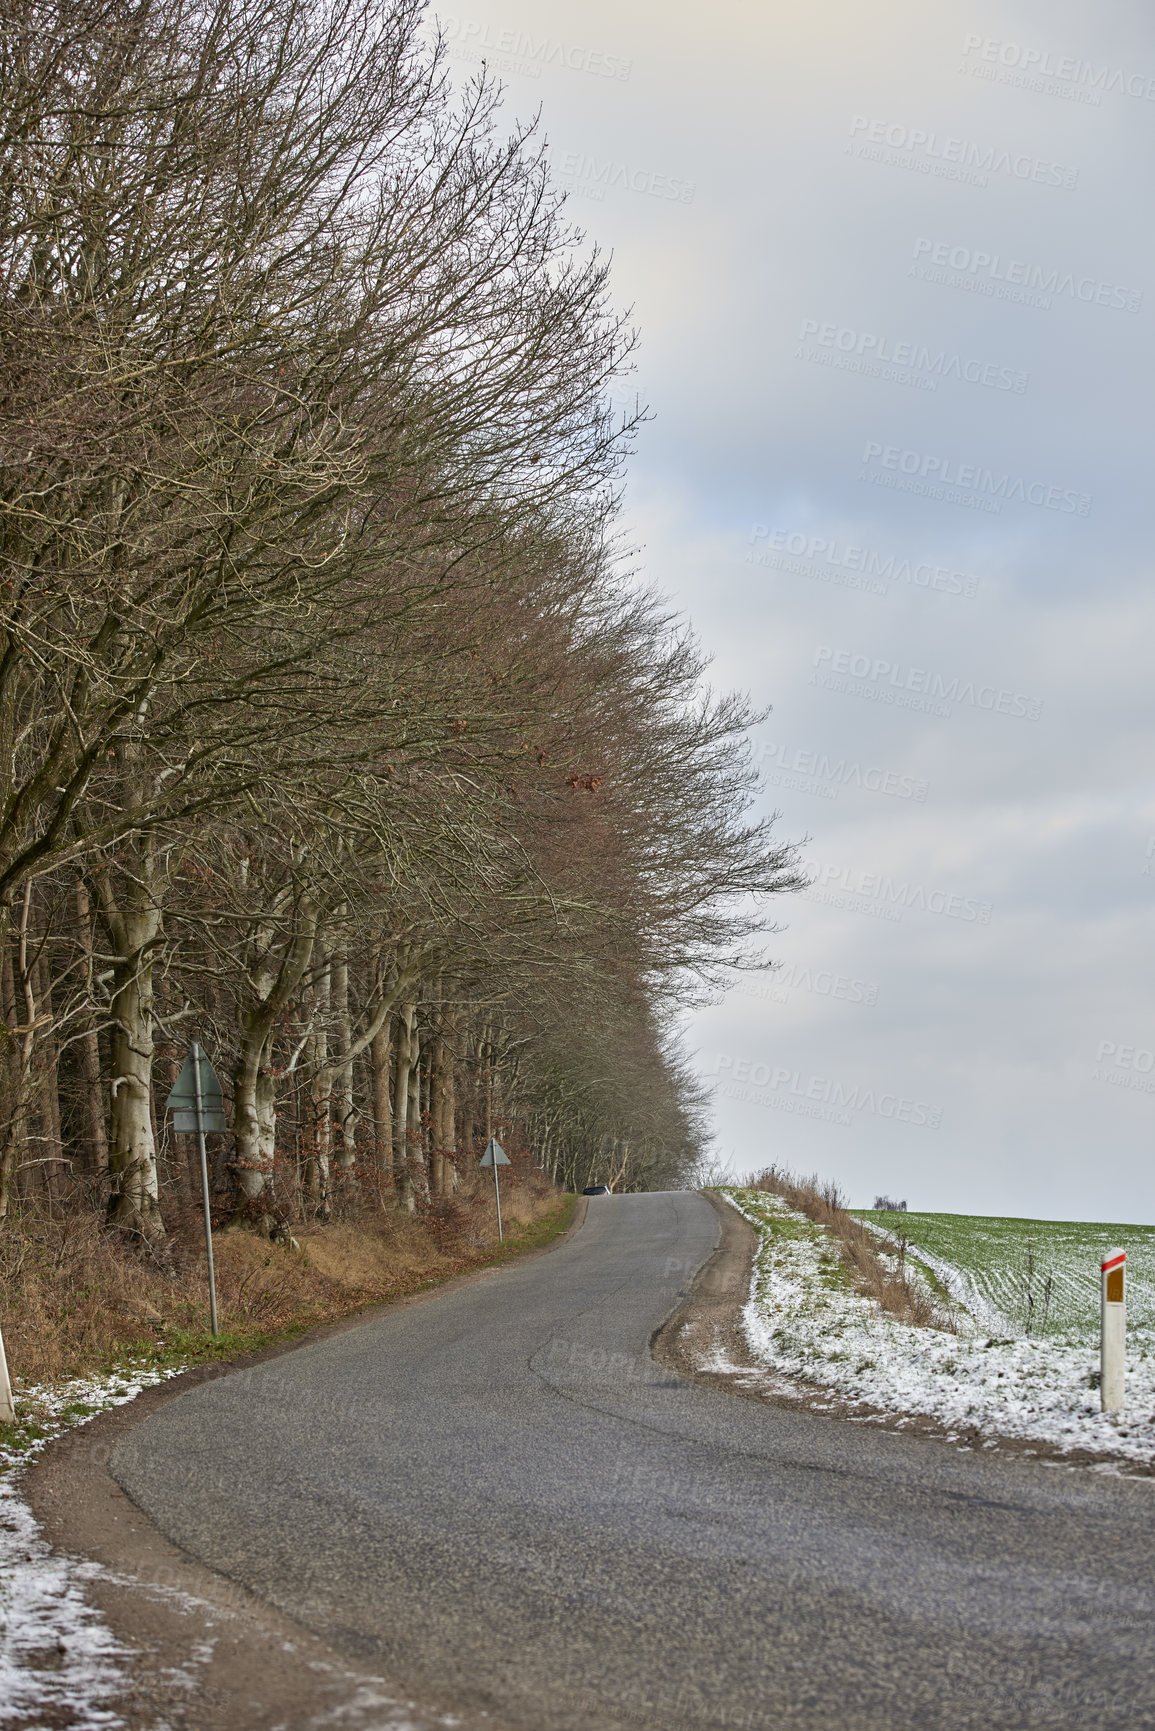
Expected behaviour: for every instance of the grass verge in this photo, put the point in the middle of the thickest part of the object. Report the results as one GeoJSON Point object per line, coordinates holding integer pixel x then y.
{"type": "Point", "coordinates": [75, 1309]}
{"type": "Point", "coordinates": [877, 1268]}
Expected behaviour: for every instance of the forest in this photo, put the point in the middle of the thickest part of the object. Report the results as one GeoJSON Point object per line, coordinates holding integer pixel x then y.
{"type": "Point", "coordinates": [338, 729]}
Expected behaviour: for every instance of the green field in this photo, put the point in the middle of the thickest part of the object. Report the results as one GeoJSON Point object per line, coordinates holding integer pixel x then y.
{"type": "Point", "coordinates": [1028, 1276]}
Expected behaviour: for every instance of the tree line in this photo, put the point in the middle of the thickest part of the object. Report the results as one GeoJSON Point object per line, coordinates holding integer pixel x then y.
{"type": "Point", "coordinates": [336, 730]}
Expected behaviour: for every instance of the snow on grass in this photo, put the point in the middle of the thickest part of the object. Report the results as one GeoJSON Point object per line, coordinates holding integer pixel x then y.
{"type": "Point", "coordinates": [1037, 1277]}
{"type": "Point", "coordinates": [55, 1652]}
{"type": "Point", "coordinates": [804, 1320]}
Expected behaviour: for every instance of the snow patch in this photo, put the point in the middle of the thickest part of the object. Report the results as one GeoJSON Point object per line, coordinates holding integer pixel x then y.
{"type": "Point", "coordinates": [57, 1656]}
{"type": "Point", "coordinates": [803, 1320]}
{"type": "Point", "coordinates": [55, 1651]}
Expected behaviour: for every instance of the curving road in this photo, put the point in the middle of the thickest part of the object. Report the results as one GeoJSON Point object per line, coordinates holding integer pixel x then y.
{"type": "Point", "coordinates": [497, 1497]}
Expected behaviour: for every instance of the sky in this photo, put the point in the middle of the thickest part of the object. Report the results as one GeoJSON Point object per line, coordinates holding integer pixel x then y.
{"type": "Point", "coordinates": [894, 277]}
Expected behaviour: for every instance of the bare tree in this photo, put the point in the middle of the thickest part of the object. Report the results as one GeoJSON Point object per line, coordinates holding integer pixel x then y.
{"type": "Point", "coordinates": [319, 670]}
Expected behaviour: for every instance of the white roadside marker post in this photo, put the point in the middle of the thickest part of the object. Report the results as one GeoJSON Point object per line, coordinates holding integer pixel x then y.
{"type": "Point", "coordinates": [7, 1409]}
{"type": "Point", "coordinates": [1113, 1331]}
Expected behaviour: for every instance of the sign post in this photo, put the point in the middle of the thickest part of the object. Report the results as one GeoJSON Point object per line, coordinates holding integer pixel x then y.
{"type": "Point", "coordinates": [496, 1156]}
{"type": "Point", "coordinates": [1113, 1331]}
{"type": "Point", "coordinates": [7, 1409]}
{"type": "Point", "coordinates": [197, 1105]}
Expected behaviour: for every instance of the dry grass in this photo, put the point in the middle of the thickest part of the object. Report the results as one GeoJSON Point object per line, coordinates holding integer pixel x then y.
{"type": "Point", "coordinates": [821, 1202]}
{"type": "Point", "coordinates": [74, 1299]}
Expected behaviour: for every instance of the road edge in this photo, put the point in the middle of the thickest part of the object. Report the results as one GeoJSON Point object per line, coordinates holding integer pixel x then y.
{"type": "Point", "coordinates": [193, 1641]}
{"type": "Point", "coordinates": [708, 1326]}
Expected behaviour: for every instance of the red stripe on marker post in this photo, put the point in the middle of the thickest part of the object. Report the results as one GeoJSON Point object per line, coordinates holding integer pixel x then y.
{"type": "Point", "coordinates": [1114, 1260]}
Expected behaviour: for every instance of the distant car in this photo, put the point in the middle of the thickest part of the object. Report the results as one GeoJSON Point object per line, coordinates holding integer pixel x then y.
{"type": "Point", "coordinates": [597, 1190]}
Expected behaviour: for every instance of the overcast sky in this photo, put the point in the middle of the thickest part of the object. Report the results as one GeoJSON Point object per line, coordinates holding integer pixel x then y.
{"type": "Point", "coordinates": [893, 271]}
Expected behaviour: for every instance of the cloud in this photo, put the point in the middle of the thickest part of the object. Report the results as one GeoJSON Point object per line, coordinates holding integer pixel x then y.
{"type": "Point", "coordinates": [897, 337]}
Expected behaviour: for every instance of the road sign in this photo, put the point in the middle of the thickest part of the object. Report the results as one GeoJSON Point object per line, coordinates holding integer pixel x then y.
{"type": "Point", "coordinates": [1113, 1331]}
{"type": "Point", "coordinates": [496, 1156]}
{"type": "Point", "coordinates": [197, 1105]}
{"type": "Point", "coordinates": [182, 1101]}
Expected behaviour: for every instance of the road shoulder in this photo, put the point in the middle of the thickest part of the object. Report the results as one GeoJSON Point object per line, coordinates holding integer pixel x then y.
{"type": "Point", "coordinates": [705, 1343]}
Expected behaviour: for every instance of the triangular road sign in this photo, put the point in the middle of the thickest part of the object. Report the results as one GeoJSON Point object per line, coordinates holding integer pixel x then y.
{"type": "Point", "coordinates": [182, 1099]}
{"type": "Point", "coordinates": [495, 1154]}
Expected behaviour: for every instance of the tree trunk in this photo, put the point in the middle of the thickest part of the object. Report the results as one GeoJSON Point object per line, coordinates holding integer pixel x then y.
{"type": "Point", "coordinates": [320, 1129]}
{"type": "Point", "coordinates": [254, 1109]}
{"type": "Point", "coordinates": [436, 1116]}
{"type": "Point", "coordinates": [272, 987]}
{"type": "Point", "coordinates": [10, 1113]}
{"type": "Point", "coordinates": [449, 1122]}
{"type": "Point", "coordinates": [20, 1024]}
{"type": "Point", "coordinates": [134, 1203]}
{"type": "Point", "coordinates": [343, 1091]}
{"type": "Point", "coordinates": [382, 1063]}
{"type": "Point", "coordinates": [442, 1108]}
{"type": "Point", "coordinates": [51, 1146]}
{"type": "Point", "coordinates": [93, 1121]}
{"type": "Point", "coordinates": [402, 1068]}
{"type": "Point", "coordinates": [415, 1126]}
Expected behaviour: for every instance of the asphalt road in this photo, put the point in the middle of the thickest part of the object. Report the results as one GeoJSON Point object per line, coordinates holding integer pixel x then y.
{"type": "Point", "coordinates": [498, 1498]}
